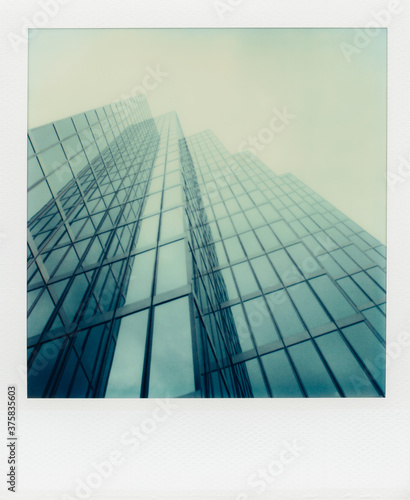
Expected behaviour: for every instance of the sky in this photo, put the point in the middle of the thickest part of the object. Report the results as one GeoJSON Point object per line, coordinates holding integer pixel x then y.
{"type": "Point", "coordinates": [307, 101]}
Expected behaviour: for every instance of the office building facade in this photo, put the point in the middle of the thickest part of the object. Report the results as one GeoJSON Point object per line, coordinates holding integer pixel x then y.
{"type": "Point", "coordinates": [161, 265]}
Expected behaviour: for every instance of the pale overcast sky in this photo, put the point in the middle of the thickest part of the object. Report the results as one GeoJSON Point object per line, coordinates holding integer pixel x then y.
{"type": "Point", "coordinates": [231, 81]}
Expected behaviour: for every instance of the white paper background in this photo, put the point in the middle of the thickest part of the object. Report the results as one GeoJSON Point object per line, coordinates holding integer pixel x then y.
{"type": "Point", "coordinates": [206, 448]}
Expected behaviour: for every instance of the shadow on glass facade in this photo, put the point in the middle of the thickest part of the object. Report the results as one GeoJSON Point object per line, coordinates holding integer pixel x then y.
{"type": "Point", "coordinates": [163, 266]}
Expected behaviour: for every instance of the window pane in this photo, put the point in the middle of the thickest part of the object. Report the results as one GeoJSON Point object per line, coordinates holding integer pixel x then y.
{"type": "Point", "coordinates": [52, 158]}
{"type": "Point", "coordinates": [264, 272]}
{"type": "Point", "coordinates": [313, 374]}
{"type": "Point", "coordinates": [172, 223]}
{"type": "Point", "coordinates": [369, 349]}
{"type": "Point", "coordinates": [148, 232]}
{"type": "Point", "coordinates": [172, 197]}
{"type": "Point", "coordinates": [308, 306]}
{"type": "Point", "coordinates": [152, 204]}
{"type": "Point", "coordinates": [229, 283]}
{"type": "Point", "coordinates": [262, 326]}
{"type": "Point", "coordinates": [369, 287]}
{"type": "Point", "coordinates": [267, 238]}
{"type": "Point", "coordinates": [377, 319]}
{"type": "Point", "coordinates": [258, 385]}
{"type": "Point", "coordinates": [37, 198]}
{"type": "Point", "coordinates": [126, 370]}
{"type": "Point", "coordinates": [305, 260]}
{"type": "Point", "coordinates": [281, 377]}
{"type": "Point", "coordinates": [172, 369]}
{"type": "Point", "coordinates": [172, 272]}
{"type": "Point", "coordinates": [345, 367]}
{"type": "Point", "coordinates": [284, 313]}
{"type": "Point", "coordinates": [358, 256]}
{"type": "Point", "coordinates": [242, 329]}
{"type": "Point", "coordinates": [39, 315]}
{"type": "Point", "coordinates": [332, 298]}
{"type": "Point", "coordinates": [42, 367]}
{"type": "Point", "coordinates": [140, 283]}
{"type": "Point", "coordinates": [240, 223]}
{"type": "Point", "coordinates": [43, 137]}
{"type": "Point", "coordinates": [285, 268]}
{"type": "Point", "coordinates": [34, 172]}
{"type": "Point", "coordinates": [354, 292]}
{"type": "Point", "coordinates": [283, 232]}
{"type": "Point", "coordinates": [234, 249]}
{"type": "Point", "coordinates": [251, 244]}
{"type": "Point", "coordinates": [244, 278]}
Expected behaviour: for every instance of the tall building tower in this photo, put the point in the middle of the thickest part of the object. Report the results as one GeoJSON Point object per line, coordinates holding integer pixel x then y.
{"type": "Point", "coordinates": [163, 266]}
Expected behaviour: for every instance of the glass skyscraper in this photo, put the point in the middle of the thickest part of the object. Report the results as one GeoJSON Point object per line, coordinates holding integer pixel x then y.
{"type": "Point", "coordinates": [161, 265]}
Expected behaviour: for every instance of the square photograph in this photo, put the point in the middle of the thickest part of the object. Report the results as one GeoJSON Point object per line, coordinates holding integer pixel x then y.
{"type": "Point", "coordinates": [206, 213]}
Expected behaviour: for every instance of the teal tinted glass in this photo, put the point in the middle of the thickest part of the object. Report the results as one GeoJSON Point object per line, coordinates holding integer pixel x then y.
{"type": "Point", "coordinates": [331, 297]}
{"type": "Point", "coordinates": [281, 376]}
{"type": "Point", "coordinates": [313, 374]}
{"type": "Point", "coordinates": [348, 372]}
{"type": "Point", "coordinates": [126, 370]}
{"type": "Point", "coordinates": [304, 259]}
{"type": "Point", "coordinates": [250, 244]}
{"type": "Point", "coordinates": [260, 321]}
{"type": "Point", "coordinates": [258, 385]}
{"type": "Point", "coordinates": [244, 278]}
{"type": "Point", "coordinates": [172, 369]}
{"type": "Point", "coordinates": [377, 319]}
{"type": "Point", "coordinates": [264, 272]}
{"type": "Point", "coordinates": [285, 314]}
{"type": "Point", "coordinates": [369, 349]}
{"type": "Point", "coordinates": [376, 293]}
{"type": "Point", "coordinates": [172, 272]}
{"type": "Point", "coordinates": [308, 306]}
{"type": "Point", "coordinates": [284, 267]}
{"type": "Point", "coordinates": [140, 282]}
{"type": "Point", "coordinates": [353, 291]}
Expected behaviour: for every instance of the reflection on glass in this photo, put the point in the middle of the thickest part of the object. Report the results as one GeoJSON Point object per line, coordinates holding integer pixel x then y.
{"type": "Point", "coordinates": [308, 305]}
{"type": "Point", "coordinates": [140, 283]}
{"type": "Point", "coordinates": [331, 297]}
{"type": "Point", "coordinates": [314, 376]}
{"type": "Point", "coordinates": [258, 385]}
{"type": "Point", "coordinates": [172, 272]}
{"type": "Point", "coordinates": [244, 278]}
{"type": "Point", "coordinates": [351, 377]}
{"type": "Point", "coordinates": [281, 378]}
{"type": "Point", "coordinates": [172, 368]}
{"type": "Point", "coordinates": [148, 232]}
{"type": "Point", "coordinates": [172, 223]}
{"type": "Point", "coordinates": [369, 349]}
{"type": "Point", "coordinates": [126, 370]}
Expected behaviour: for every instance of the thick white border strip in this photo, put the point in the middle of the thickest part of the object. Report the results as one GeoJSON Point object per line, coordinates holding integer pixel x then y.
{"type": "Point", "coordinates": [198, 448]}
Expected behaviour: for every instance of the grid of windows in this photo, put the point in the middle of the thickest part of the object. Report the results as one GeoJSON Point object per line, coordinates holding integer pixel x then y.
{"type": "Point", "coordinates": [163, 266]}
